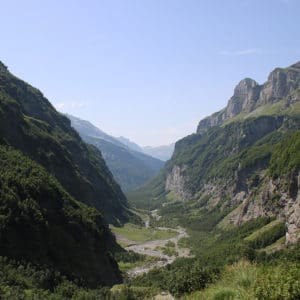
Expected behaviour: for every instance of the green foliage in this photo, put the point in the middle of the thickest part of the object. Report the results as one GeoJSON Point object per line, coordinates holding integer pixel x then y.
{"type": "Point", "coordinates": [29, 123]}
{"type": "Point", "coordinates": [267, 236]}
{"type": "Point", "coordinates": [40, 222]}
{"type": "Point", "coordinates": [235, 282]}
{"type": "Point", "coordinates": [245, 280]}
{"type": "Point", "coordinates": [149, 196]}
{"type": "Point", "coordinates": [234, 154]}
{"type": "Point", "coordinates": [286, 156]}
{"type": "Point", "coordinates": [137, 233]}
{"type": "Point", "coordinates": [169, 249]}
{"type": "Point", "coordinates": [278, 282]}
{"type": "Point", "coordinates": [22, 280]}
{"type": "Point", "coordinates": [131, 169]}
{"type": "Point", "coordinates": [183, 276]}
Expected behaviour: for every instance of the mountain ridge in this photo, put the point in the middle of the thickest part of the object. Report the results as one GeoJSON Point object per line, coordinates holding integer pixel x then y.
{"type": "Point", "coordinates": [249, 95]}
{"type": "Point", "coordinates": [163, 152]}
{"type": "Point", "coordinates": [129, 167]}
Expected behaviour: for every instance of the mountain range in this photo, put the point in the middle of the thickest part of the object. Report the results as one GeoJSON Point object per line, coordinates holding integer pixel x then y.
{"type": "Point", "coordinates": [163, 153]}
{"type": "Point", "coordinates": [129, 167]}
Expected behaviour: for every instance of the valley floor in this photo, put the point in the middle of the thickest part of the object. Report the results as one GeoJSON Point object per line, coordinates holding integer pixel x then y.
{"type": "Point", "coordinates": [160, 243]}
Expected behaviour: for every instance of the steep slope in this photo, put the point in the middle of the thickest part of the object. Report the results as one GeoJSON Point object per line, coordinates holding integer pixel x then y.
{"type": "Point", "coordinates": [86, 128]}
{"type": "Point", "coordinates": [48, 175]}
{"type": "Point", "coordinates": [28, 122]}
{"type": "Point", "coordinates": [42, 224]}
{"type": "Point", "coordinates": [243, 163]}
{"type": "Point", "coordinates": [163, 153]}
{"type": "Point", "coordinates": [130, 168]}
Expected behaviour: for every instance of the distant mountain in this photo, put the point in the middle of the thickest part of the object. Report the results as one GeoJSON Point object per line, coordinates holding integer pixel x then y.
{"type": "Point", "coordinates": [131, 145]}
{"type": "Point", "coordinates": [86, 128]}
{"type": "Point", "coordinates": [56, 193]}
{"type": "Point", "coordinates": [163, 153]}
{"type": "Point", "coordinates": [130, 168]}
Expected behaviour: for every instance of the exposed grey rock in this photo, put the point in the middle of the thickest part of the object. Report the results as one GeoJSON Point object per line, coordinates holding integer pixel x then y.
{"type": "Point", "coordinates": [176, 182]}
{"type": "Point", "coordinates": [248, 95]}
{"type": "Point", "coordinates": [262, 204]}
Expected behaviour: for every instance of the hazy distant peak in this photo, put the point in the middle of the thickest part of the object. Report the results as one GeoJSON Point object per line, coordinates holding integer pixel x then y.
{"type": "Point", "coordinates": [163, 152]}
{"type": "Point", "coordinates": [88, 129]}
{"type": "Point", "coordinates": [128, 143]}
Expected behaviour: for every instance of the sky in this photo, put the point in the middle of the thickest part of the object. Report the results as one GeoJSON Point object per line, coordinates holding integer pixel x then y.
{"type": "Point", "coordinates": [148, 70]}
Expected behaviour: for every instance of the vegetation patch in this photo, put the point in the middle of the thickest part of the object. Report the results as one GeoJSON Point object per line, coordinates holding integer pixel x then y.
{"type": "Point", "coordinates": [267, 235]}
{"type": "Point", "coordinates": [140, 234]}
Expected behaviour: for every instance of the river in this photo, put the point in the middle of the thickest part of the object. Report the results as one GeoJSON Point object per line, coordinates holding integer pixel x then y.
{"type": "Point", "coordinates": [152, 248]}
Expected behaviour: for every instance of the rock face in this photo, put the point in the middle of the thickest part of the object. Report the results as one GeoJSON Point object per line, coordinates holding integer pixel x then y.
{"type": "Point", "coordinates": [273, 201]}
{"type": "Point", "coordinates": [249, 95]}
{"type": "Point", "coordinates": [293, 216]}
{"type": "Point", "coordinates": [244, 99]}
{"type": "Point", "coordinates": [175, 182]}
{"type": "Point", "coordinates": [280, 83]}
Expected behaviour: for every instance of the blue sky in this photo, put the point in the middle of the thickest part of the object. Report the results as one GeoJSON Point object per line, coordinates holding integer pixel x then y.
{"type": "Point", "coordinates": [146, 69]}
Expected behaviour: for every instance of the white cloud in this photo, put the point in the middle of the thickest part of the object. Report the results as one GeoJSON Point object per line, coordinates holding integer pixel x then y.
{"type": "Point", "coordinates": [241, 52]}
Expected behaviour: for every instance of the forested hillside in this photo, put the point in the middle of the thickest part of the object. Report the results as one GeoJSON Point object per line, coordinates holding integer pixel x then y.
{"type": "Point", "coordinates": [30, 123]}
{"type": "Point", "coordinates": [56, 195]}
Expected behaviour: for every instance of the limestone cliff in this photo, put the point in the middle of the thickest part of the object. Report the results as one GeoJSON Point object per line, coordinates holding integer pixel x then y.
{"type": "Point", "coordinates": [249, 95]}
{"type": "Point", "coordinates": [176, 182]}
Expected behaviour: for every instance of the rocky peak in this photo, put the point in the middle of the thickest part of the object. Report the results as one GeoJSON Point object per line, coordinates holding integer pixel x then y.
{"type": "Point", "coordinates": [244, 87]}
{"type": "Point", "coordinates": [280, 83]}
{"type": "Point", "coordinates": [245, 96]}
{"type": "Point", "coordinates": [244, 99]}
{"type": "Point", "coordinates": [249, 95]}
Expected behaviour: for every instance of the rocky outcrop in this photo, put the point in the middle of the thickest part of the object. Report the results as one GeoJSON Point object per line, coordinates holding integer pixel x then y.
{"type": "Point", "coordinates": [244, 99]}
{"type": "Point", "coordinates": [282, 84]}
{"type": "Point", "coordinates": [175, 182]}
{"type": "Point", "coordinates": [293, 217]}
{"type": "Point", "coordinates": [273, 201]}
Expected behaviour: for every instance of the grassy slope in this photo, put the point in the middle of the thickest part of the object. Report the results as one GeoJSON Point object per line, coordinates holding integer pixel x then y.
{"type": "Point", "coordinates": [141, 234]}
{"type": "Point", "coordinates": [247, 281]}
